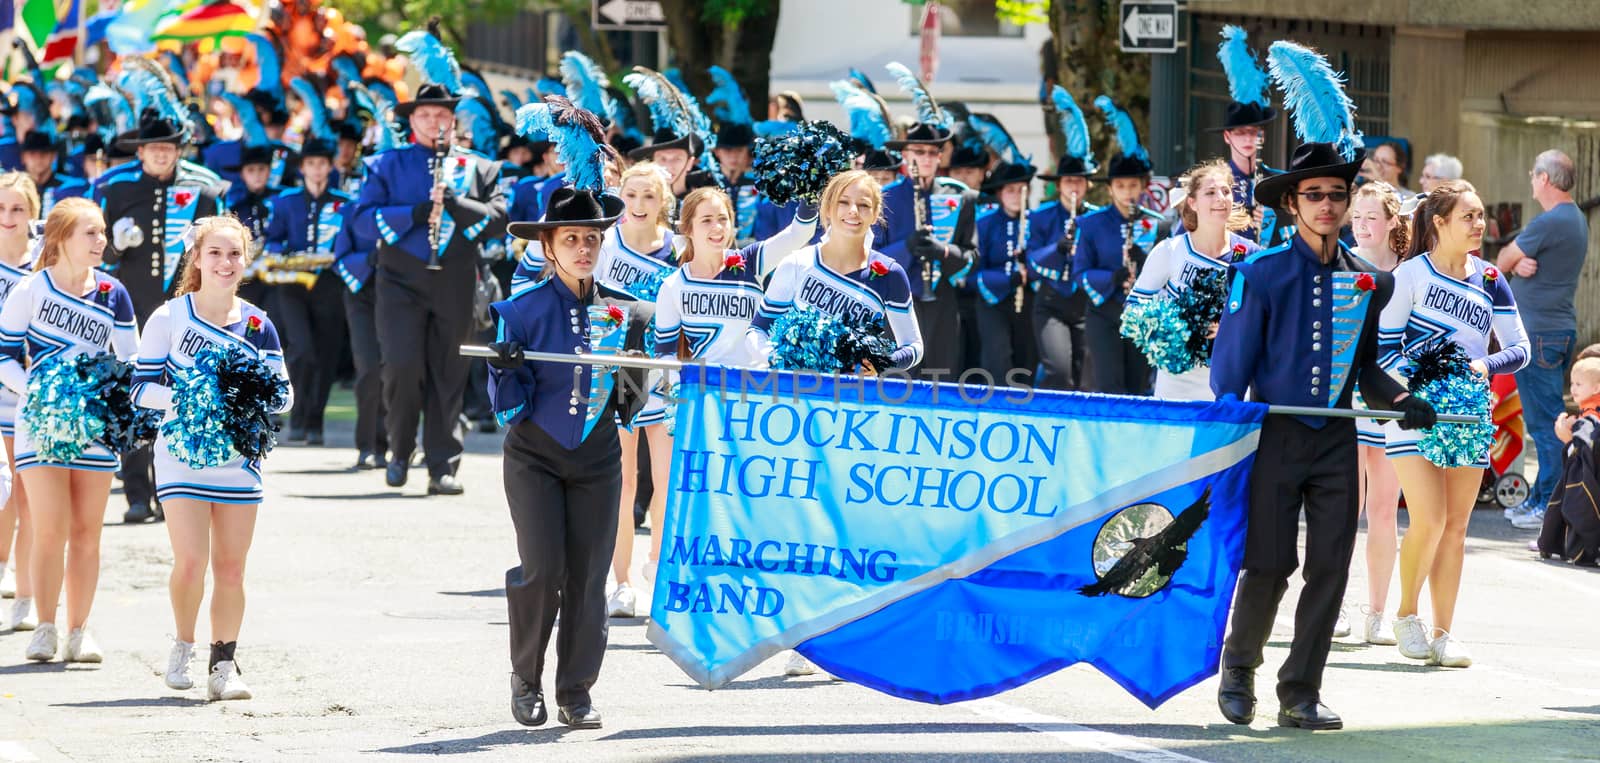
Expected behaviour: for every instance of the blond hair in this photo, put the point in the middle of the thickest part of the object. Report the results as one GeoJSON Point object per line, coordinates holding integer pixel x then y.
{"type": "Point", "coordinates": [60, 225]}
{"type": "Point", "coordinates": [1399, 235]}
{"type": "Point", "coordinates": [691, 206]}
{"type": "Point", "coordinates": [24, 187]}
{"type": "Point", "coordinates": [1587, 369]}
{"type": "Point", "coordinates": [1238, 219]}
{"type": "Point", "coordinates": [841, 182]}
{"type": "Point", "coordinates": [657, 177]}
{"type": "Point", "coordinates": [189, 281]}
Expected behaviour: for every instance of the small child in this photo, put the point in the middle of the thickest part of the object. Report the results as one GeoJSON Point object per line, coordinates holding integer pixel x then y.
{"type": "Point", "coordinates": [1572, 518]}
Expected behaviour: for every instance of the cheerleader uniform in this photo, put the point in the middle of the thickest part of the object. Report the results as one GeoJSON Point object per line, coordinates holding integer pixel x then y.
{"type": "Point", "coordinates": [1171, 267]}
{"type": "Point", "coordinates": [620, 268]}
{"type": "Point", "coordinates": [1369, 432]}
{"type": "Point", "coordinates": [10, 277]}
{"type": "Point", "coordinates": [1427, 305]}
{"type": "Point", "coordinates": [41, 322]}
{"type": "Point", "coordinates": [173, 335]}
{"type": "Point", "coordinates": [880, 289]}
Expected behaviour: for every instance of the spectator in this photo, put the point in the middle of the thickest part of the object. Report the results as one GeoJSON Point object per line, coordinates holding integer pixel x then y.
{"type": "Point", "coordinates": [1391, 164]}
{"type": "Point", "coordinates": [1545, 260]}
{"type": "Point", "coordinates": [1572, 530]}
{"type": "Point", "coordinates": [1438, 168]}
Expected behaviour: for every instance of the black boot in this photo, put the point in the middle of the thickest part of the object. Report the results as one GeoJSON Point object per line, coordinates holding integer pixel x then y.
{"type": "Point", "coordinates": [527, 703]}
{"type": "Point", "coordinates": [1236, 697]}
{"type": "Point", "coordinates": [138, 514]}
{"type": "Point", "coordinates": [1311, 715]}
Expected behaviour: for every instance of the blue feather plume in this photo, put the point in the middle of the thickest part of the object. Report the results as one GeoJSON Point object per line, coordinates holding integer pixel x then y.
{"type": "Point", "coordinates": [151, 91]}
{"type": "Point", "coordinates": [928, 111]}
{"type": "Point", "coordinates": [268, 64]}
{"type": "Point", "coordinates": [321, 127]}
{"type": "Point", "coordinates": [676, 78]}
{"type": "Point", "coordinates": [533, 119]}
{"type": "Point", "coordinates": [586, 83]}
{"type": "Point", "coordinates": [674, 109]}
{"type": "Point", "coordinates": [389, 137]}
{"type": "Point", "coordinates": [110, 108]}
{"type": "Point", "coordinates": [475, 84]}
{"type": "Point", "coordinates": [862, 81]}
{"type": "Point", "coordinates": [384, 94]}
{"type": "Point", "coordinates": [361, 100]}
{"type": "Point", "coordinates": [1247, 83]}
{"type": "Point", "coordinates": [866, 118]}
{"type": "Point", "coordinates": [511, 99]}
{"type": "Point", "coordinates": [174, 63]}
{"type": "Point", "coordinates": [479, 123]}
{"type": "Point", "coordinates": [546, 86]}
{"type": "Point", "coordinates": [254, 134]}
{"type": "Point", "coordinates": [579, 139]}
{"type": "Point", "coordinates": [726, 99]}
{"type": "Point", "coordinates": [1073, 125]}
{"type": "Point", "coordinates": [997, 139]}
{"type": "Point", "coordinates": [433, 60]}
{"type": "Point", "coordinates": [1127, 134]}
{"type": "Point", "coordinates": [347, 69]}
{"type": "Point", "coordinates": [1314, 94]}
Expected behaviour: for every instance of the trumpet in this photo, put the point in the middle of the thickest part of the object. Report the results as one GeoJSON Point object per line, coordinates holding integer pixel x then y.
{"type": "Point", "coordinates": [305, 278]}
{"type": "Point", "coordinates": [1020, 252]}
{"type": "Point", "coordinates": [440, 149]}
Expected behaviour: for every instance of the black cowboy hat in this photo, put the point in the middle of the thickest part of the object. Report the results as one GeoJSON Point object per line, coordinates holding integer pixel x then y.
{"type": "Point", "coordinates": [319, 147]}
{"type": "Point", "coordinates": [93, 144]}
{"type": "Point", "coordinates": [350, 129]}
{"type": "Point", "coordinates": [969, 156]}
{"type": "Point", "coordinates": [153, 128]}
{"type": "Point", "coordinates": [1246, 115]}
{"type": "Point", "coordinates": [735, 136]}
{"type": "Point", "coordinates": [881, 160]}
{"type": "Point", "coordinates": [249, 155]}
{"type": "Point", "coordinates": [921, 133]}
{"type": "Point", "coordinates": [1125, 166]}
{"type": "Point", "coordinates": [517, 140]}
{"type": "Point", "coordinates": [427, 95]}
{"type": "Point", "coordinates": [78, 122]}
{"type": "Point", "coordinates": [1310, 160]}
{"type": "Point", "coordinates": [1071, 166]}
{"type": "Point", "coordinates": [36, 140]}
{"type": "Point", "coordinates": [1006, 173]}
{"type": "Point", "coordinates": [624, 143]}
{"type": "Point", "coordinates": [665, 140]}
{"type": "Point", "coordinates": [570, 207]}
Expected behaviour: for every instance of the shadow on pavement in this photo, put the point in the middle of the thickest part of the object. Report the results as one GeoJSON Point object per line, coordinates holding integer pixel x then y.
{"type": "Point", "coordinates": [485, 743]}
{"type": "Point", "coordinates": [494, 593]}
{"type": "Point", "coordinates": [137, 702]}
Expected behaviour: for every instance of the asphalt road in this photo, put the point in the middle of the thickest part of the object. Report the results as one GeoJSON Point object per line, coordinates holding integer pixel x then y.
{"type": "Point", "coordinates": [376, 629]}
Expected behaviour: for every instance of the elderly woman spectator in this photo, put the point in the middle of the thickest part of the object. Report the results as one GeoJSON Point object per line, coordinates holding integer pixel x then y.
{"type": "Point", "coordinates": [1437, 169]}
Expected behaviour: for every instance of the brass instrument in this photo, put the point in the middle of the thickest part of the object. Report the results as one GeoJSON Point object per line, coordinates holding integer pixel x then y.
{"type": "Point", "coordinates": [1020, 252]}
{"type": "Point", "coordinates": [440, 149]}
{"type": "Point", "coordinates": [300, 268]}
{"type": "Point", "coordinates": [930, 275]}
{"type": "Point", "coordinates": [281, 277]}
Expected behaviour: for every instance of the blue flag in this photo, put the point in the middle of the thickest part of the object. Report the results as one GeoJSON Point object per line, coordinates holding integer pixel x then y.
{"type": "Point", "coordinates": [938, 546]}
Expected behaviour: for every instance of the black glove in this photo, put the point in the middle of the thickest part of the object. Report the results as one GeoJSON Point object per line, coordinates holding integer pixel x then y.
{"type": "Point", "coordinates": [1120, 277]}
{"type": "Point", "coordinates": [925, 246]}
{"type": "Point", "coordinates": [508, 355]}
{"type": "Point", "coordinates": [1064, 249]}
{"type": "Point", "coordinates": [1418, 413]}
{"type": "Point", "coordinates": [421, 212]}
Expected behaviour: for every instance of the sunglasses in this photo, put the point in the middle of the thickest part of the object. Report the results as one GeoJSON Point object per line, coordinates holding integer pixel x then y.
{"type": "Point", "coordinates": [1316, 196]}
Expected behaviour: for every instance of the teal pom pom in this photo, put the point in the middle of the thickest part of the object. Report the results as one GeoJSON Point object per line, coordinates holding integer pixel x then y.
{"type": "Point", "coordinates": [1442, 374]}
{"type": "Point", "coordinates": [798, 165]}
{"type": "Point", "coordinates": [1158, 329]}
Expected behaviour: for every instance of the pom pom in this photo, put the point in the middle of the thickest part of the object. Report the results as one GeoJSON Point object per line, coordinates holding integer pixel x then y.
{"type": "Point", "coordinates": [807, 339]}
{"type": "Point", "coordinates": [1200, 306]}
{"type": "Point", "coordinates": [77, 401]}
{"type": "Point", "coordinates": [1157, 327]}
{"type": "Point", "coordinates": [1441, 373]}
{"type": "Point", "coordinates": [646, 289]}
{"type": "Point", "coordinates": [221, 408]}
{"type": "Point", "coordinates": [798, 165]}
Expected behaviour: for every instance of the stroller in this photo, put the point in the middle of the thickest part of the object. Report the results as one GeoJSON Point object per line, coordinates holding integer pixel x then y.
{"type": "Point", "coordinates": [1502, 485]}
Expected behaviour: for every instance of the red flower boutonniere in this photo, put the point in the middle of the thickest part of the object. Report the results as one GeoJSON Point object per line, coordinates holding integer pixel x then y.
{"type": "Point", "coordinates": [877, 269]}
{"type": "Point", "coordinates": [1491, 274]}
{"type": "Point", "coordinates": [1239, 250]}
{"type": "Point", "coordinates": [252, 325]}
{"type": "Point", "coordinates": [461, 161]}
{"type": "Point", "coordinates": [1146, 224]}
{"type": "Point", "coordinates": [103, 292]}
{"type": "Point", "coordinates": [336, 205]}
{"type": "Point", "coordinates": [614, 315]}
{"type": "Point", "coordinates": [951, 203]}
{"type": "Point", "coordinates": [734, 262]}
{"type": "Point", "coordinates": [1366, 282]}
{"type": "Point", "coordinates": [182, 198]}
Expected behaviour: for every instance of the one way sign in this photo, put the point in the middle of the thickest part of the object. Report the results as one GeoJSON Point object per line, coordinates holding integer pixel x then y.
{"type": "Point", "coordinates": [1149, 26]}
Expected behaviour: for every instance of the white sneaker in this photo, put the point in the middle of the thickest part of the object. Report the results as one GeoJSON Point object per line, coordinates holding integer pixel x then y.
{"type": "Point", "coordinates": [622, 602]}
{"type": "Point", "coordinates": [178, 665]}
{"type": "Point", "coordinates": [1448, 652]}
{"type": "Point", "coordinates": [1412, 636]}
{"type": "Point", "coordinates": [44, 644]}
{"type": "Point", "coordinates": [1341, 627]}
{"type": "Point", "coordinates": [81, 647]}
{"type": "Point", "coordinates": [8, 582]}
{"type": "Point", "coordinates": [23, 618]}
{"type": "Point", "coordinates": [225, 683]}
{"type": "Point", "coordinates": [798, 665]}
{"type": "Point", "coordinates": [1533, 520]}
{"type": "Point", "coordinates": [1379, 630]}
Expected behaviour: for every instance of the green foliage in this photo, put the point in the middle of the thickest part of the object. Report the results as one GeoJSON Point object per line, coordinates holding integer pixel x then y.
{"type": "Point", "coordinates": [1023, 12]}
{"type": "Point", "coordinates": [731, 11]}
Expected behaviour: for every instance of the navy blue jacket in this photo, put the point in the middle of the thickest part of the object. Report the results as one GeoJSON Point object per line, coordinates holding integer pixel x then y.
{"type": "Point", "coordinates": [1100, 245]}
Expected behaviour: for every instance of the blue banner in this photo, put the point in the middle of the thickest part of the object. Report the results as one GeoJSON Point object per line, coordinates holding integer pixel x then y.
{"type": "Point", "coordinates": [941, 543]}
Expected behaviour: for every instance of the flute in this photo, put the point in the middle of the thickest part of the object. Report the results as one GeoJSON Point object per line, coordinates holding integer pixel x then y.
{"type": "Point", "coordinates": [1021, 253]}
{"type": "Point", "coordinates": [439, 151]}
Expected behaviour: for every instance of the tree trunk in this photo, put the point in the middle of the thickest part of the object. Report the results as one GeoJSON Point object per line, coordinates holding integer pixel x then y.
{"type": "Point", "coordinates": [752, 60]}
{"type": "Point", "coordinates": [741, 44]}
{"type": "Point", "coordinates": [1090, 62]}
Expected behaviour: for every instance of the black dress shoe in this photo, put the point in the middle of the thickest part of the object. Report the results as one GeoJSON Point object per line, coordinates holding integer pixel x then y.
{"type": "Point", "coordinates": [1311, 715]}
{"type": "Point", "coordinates": [527, 703]}
{"type": "Point", "coordinates": [445, 484]}
{"type": "Point", "coordinates": [314, 437]}
{"type": "Point", "coordinates": [580, 717]}
{"type": "Point", "coordinates": [1237, 695]}
{"type": "Point", "coordinates": [138, 514]}
{"type": "Point", "coordinates": [366, 460]}
{"type": "Point", "coordinates": [395, 474]}
{"type": "Point", "coordinates": [488, 425]}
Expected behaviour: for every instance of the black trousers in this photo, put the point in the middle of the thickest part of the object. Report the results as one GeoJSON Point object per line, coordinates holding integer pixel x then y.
{"type": "Point", "coordinates": [995, 350]}
{"type": "Point", "coordinates": [1119, 367]}
{"type": "Point", "coordinates": [1058, 324]}
{"type": "Point", "coordinates": [940, 323]}
{"type": "Point", "coordinates": [564, 508]}
{"type": "Point", "coordinates": [967, 307]}
{"type": "Point", "coordinates": [139, 466]}
{"type": "Point", "coordinates": [361, 315]}
{"type": "Point", "coordinates": [1296, 466]}
{"type": "Point", "coordinates": [313, 320]}
{"type": "Point", "coordinates": [423, 318]}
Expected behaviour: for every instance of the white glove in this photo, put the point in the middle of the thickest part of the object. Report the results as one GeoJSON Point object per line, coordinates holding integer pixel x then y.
{"type": "Point", "coordinates": [125, 234]}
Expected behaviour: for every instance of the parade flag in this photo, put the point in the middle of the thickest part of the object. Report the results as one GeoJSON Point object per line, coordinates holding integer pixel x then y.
{"type": "Point", "coordinates": [129, 33]}
{"type": "Point", "coordinates": [8, 15]}
{"type": "Point", "coordinates": [219, 18]}
{"type": "Point", "coordinates": [945, 544]}
{"type": "Point", "coordinates": [38, 21]}
{"type": "Point", "coordinates": [63, 42]}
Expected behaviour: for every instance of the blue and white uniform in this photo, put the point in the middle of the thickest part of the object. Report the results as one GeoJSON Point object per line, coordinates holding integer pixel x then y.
{"type": "Point", "coordinates": [804, 280]}
{"type": "Point", "coordinates": [10, 277]}
{"type": "Point", "coordinates": [1171, 267]}
{"type": "Point", "coordinates": [1428, 305]}
{"type": "Point", "coordinates": [620, 268]}
{"type": "Point", "coordinates": [42, 322]}
{"type": "Point", "coordinates": [172, 337]}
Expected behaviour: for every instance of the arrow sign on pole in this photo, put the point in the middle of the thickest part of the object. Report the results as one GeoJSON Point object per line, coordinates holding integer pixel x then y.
{"type": "Point", "coordinates": [628, 14]}
{"type": "Point", "coordinates": [1149, 26]}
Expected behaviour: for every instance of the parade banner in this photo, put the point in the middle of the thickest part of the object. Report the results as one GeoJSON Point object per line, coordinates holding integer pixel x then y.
{"type": "Point", "coordinates": [945, 543]}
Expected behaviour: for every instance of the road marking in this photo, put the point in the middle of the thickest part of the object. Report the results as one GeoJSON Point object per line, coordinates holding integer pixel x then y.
{"type": "Point", "coordinates": [1081, 737]}
{"type": "Point", "coordinates": [14, 751]}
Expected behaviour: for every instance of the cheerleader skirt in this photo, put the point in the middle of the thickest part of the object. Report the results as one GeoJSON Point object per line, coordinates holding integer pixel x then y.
{"type": "Point", "coordinates": [1194, 384]}
{"type": "Point", "coordinates": [655, 407]}
{"type": "Point", "coordinates": [237, 481]}
{"type": "Point", "coordinates": [1368, 431]}
{"type": "Point", "coordinates": [1399, 442]}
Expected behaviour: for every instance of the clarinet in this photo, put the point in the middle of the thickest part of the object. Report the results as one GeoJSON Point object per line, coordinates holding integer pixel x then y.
{"type": "Point", "coordinates": [1127, 253]}
{"type": "Point", "coordinates": [439, 151]}
{"type": "Point", "coordinates": [1021, 253]}
{"type": "Point", "coordinates": [930, 278]}
{"type": "Point", "coordinates": [1269, 216]}
{"type": "Point", "coordinates": [1070, 229]}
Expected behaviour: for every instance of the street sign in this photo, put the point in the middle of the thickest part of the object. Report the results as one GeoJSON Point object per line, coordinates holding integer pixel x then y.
{"type": "Point", "coordinates": [631, 15]}
{"type": "Point", "coordinates": [1149, 26]}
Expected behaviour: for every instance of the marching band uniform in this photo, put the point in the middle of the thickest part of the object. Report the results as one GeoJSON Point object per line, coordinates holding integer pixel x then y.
{"type": "Point", "coordinates": [146, 217]}
{"type": "Point", "coordinates": [879, 290]}
{"type": "Point", "coordinates": [563, 474]}
{"type": "Point", "coordinates": [253, 208]}
{"type": "Point", "coordinates": [354, 266]}
{"type": "Point", "coordinates": [1107, 241]}
{"type": "Point", "coordinates": [1003, 314]}
{"type": "Point", "coordinates": [174, 334]}
{"type": "Point", "coordinates": [56, 186]}
{"type": "Point", "coordinates": [1059, 304]}
{"type": "Point", "coordinates": [1250, 105]}
{"type": "Point", "coordinates": [424, 315]}
{"type": "Point", "coordinates": [1170, 269]}
{"type": "Point", "coordinates": [933, 257]}
{"type": "Point", "coordinates": [40, 322]}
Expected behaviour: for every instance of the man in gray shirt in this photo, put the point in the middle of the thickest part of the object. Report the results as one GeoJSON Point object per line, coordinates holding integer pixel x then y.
{"type": "Point", "coordinates": [1545, 261]}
